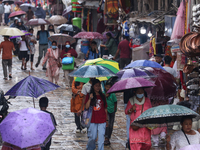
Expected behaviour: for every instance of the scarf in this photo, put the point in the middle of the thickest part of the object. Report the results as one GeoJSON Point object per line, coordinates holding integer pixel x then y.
{"type": "Point", "coordinates": [133, 100]}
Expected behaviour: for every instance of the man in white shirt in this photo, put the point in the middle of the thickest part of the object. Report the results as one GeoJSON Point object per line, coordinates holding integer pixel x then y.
{"type": "Point", "coordinates": [167, 60]}
{"type": "Point", "coordinates": [7, 11]}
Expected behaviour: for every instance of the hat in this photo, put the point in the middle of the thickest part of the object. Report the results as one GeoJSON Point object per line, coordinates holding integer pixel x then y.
{"type": "Point", "coordinates": [158, 55]}
{"type": "Point", "coordinates": [16, 18]}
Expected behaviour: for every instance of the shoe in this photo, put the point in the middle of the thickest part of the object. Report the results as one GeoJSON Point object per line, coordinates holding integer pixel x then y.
{"type": "Point", "coordinates": [10, 76]}
{"type": "Point", "coordinates": [5, 78]}
{"type": "Point", "coordinates": [155, 144]}
{"type": "Point", "coordinates": [36, 65]}
{"type": "Point", "coordinates": [44, 68]}
{"type": "Point", "coordinates": [107, 142]}
{"type": "Point", "coordinates": [78, 130]}
{"type": "Point", "coordinates": [84, 130]}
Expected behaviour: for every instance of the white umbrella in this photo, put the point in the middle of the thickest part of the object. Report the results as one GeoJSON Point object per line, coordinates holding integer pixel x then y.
{"type": "Point", "coordinates": [25, 7]}
{"type": "Point", "coordinates": [11, 32]}
{"type": "Point", "coordinates": [57, 20]}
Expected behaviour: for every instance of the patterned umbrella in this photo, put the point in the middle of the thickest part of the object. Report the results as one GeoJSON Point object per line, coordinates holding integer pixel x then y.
{"type": "Point", "coordinates": [25, 7]}
{"type": "Point", "coordinates": [130, 83]}
{"type": "Point", "coordinates": [164, 115]}
{"type": "Point", "coordinates": [62, 38]}
{"type": "Point", "coordinates": [88, 35]}
{"type": "Point", "coordinates": [57, 20]}
{"type": "Point", "coordinates": [92, 71]}
{"type": "Point", "coordinates": [17, 14]}
{"type": "Point", "coordinates": [27, 128]}
{"type": "Point", "coordinates": [37, 22]}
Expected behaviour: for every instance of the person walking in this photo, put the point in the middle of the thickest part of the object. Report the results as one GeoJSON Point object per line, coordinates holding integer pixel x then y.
{"type": "Point", "coordinates": [125, 53]}
{"type": "Point", "coordinates": [42, 36]}
{"type": "Point", "coordinates": [93, 51]}
{"type": "Point", "coordinates": [29, 14]}
{"type": "Point", "coordinates": [99, 120]}
{"type": "Point", "coordinates": [31, 42]}
{"type": "Point", "coordinates": [1, 11]}
{"type": "Point", "coordinates": [7, 47]}
{"type": "Point", "coordinates": [17, 8]}
{"type": "Point", "coordinates": [52, 58]}
{"type": "Point", "coordinates": [68, 52]}
{"type": "Point", "coordinates": [7, 11]}
{"type": "Point", "coordinates": [167, 62]}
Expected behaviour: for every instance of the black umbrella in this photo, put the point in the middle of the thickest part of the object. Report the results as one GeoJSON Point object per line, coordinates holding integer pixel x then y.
{"type": "Point", "coordinates": [8, 1]}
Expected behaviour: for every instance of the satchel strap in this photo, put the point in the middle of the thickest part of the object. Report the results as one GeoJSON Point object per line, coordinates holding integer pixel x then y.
{"type": "Point", "coordinates": [186, 136]}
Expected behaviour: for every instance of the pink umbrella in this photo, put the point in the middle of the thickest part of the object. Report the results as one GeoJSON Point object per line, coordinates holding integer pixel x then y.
{"type": "Point", "coordinates": [88, 35]}
{"type": "Point", "coordinates": [191, 147]}
{"type": "Point", "coordinates": [37, 22]}
{"type": "Point", "coordinates": [17, 13]}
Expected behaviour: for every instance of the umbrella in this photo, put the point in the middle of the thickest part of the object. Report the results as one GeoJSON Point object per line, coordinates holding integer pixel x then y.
{"type": "Point", "coordinates": [37, 22]}
{"type": "Point", "coordinates": [130, 83]}
{"type": "Point", "coordinates": [57, 20]}
{"type": "Point", "coordinates": [191, 147]}
{"type": "Point", "coordinates": [17, 14]}
{"type": "Point", "coordinates": [92, 71]}
{"type": "Point", "coordinates": [27, 128]}
{"type": "Point", "coordinates": [109, 64]}
{"type": "Point", "coordinates": [11, 32]}
{"type": "Point", "coordinates": [134, 72]}
{"type": "Point", "coordinates": [68, 27]}
{"type": "Point", "coordinates": [67, 10]}
{"type": "Point", "coordinates": [144, 63]}
{"type": "Point", "coordinates": [18, 2]}
{"type": "Point", "coordinates": [32, 87]}
{"type": "Point", "coordinates": [88, 35]}
{"type": "Point", "coordinates": [25, 7]}
{"type": "Point", "coordinates": [25, 32]}
{"type": "Point", "coordinates": [8, 1]}
{"type": "Point", "coordinates": [62, 38]}
{"type": "Point", "coordinates": [164, 115]}
{"type": "Point", "coordinates": [165, 85]}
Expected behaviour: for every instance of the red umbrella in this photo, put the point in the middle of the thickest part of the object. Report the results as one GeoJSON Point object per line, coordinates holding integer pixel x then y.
{"type": "Point", "coordinates": [88, 35]}
{"type": "Point", "coordinates": [17, 13]}
{"type": "Point", "coordinates": [37, 22]}
{"type": "Point", "coordinates": [165, 85]}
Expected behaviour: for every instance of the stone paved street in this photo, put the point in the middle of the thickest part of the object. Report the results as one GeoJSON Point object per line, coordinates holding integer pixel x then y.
{"type": "Point", "coordinates": [65, 137]}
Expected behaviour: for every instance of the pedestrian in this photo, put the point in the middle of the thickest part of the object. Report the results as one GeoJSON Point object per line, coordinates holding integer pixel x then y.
{"type": "Point", "coordinates": [110, 46]}
{"type": "Point", "coordinates": [68, 51]}
{"type": "Point", "coordinates": [1, 11]}
{"type": "Point", "coordinates": [111, 110]}
{"type": "Point", "coordinates": [51, 32]}
{"type": "Point", "coordinates": [23, 48]}
{"type": "Point", "coordinates": [20, 25]}
{"type": "Point", "coordinates": [43, 103]}
{"type": "Point", "coordinates": [7, 48]}
{"type": "Point", "coordinates": [140, 138]}
{"type": "Point", "coordinates": [158, 59]}
{"type": "Point", "coordinates": [17, 8]}
{"type": "Point", "coordinates": [7, 11]}
{"type": "Point", "coordinates": [99, 120]}
{"type": "Point", "coordinates": [29, 14]}
{"type": "Point", "coordinates": [93, 51]}
{"type": "Point", "coordinates": [42, 36]}
{"type": "Point", "coordinates": [76, 103]}
{"type": "Point", "coordinates": [40, 13]}
{"type": "Point", "coordinates": [167, 61]}
{"type": "Point", "coordinates": [125, 53]}
{"type": "Point", "coordinates": [14, 24]}
{"type": "Point", "coordinates": [31, 42]}
{"type": "Point", "coordinates": [53, 59]}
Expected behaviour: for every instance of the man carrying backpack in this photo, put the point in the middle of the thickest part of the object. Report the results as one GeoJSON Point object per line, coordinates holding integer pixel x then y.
{"type": "Point", "coordinates": [42, 36]}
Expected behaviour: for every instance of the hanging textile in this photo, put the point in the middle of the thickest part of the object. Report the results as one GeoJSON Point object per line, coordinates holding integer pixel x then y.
{"type": "Point", "coordinates": [126, 5]}
{"type": "Point", "coordinates": [111, 11]}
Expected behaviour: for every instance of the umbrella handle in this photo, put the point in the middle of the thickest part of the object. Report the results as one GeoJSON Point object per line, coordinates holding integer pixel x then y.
{"type": "Point", "coordinates": [33, 102]}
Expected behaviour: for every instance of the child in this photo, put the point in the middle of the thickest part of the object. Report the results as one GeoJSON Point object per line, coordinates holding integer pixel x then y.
{"type": "Point", "coordinates": [43, 102]}
{"type": "Point", "coordinates": [112, 108]}
{"type": "Point", "coordinates": [96, 99]}
{"type": "Point", "coordinates": [76, 103]}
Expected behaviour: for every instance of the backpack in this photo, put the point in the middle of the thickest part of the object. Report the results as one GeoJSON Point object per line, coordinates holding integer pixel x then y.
{"type": "Point", "coordinates": [38, 33]}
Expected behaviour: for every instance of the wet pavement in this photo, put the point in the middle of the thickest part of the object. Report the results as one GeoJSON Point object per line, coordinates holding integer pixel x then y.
{"type": "Point", "coordinates": [65, 137]}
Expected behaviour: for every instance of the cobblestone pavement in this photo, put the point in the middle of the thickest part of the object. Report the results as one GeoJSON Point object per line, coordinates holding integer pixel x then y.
{"type": "Point", "coordinates": [59, 104]}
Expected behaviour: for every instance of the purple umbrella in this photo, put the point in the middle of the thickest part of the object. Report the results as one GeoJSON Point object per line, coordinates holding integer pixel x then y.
{"type": "Point", "coordinates": [27, 127]}
{"type": "Point", "coordinates": [130, 83]}
{"type": "Point", "coordinates": [25, 32]}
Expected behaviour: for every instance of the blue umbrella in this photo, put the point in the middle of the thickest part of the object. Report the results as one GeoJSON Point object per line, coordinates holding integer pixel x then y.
{"type": "Point", "coordinates": [144, 63]}
{"type": "Point", "coordinates": [32, 87]}
{"type": "Point", "coordinates": [92, 71]}
{"type": "Point", "coordinates": [164, 115]}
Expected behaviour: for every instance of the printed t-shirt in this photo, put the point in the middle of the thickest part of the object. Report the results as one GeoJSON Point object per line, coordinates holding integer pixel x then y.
{"type": "Point", "coordinates": [125, 51]}
{"type": "Point", "coordinates": [98, 113]}
{"type": "Point", "coordinates": [7, 48]}
{"type": "Point", "coordinates": [111, 100]}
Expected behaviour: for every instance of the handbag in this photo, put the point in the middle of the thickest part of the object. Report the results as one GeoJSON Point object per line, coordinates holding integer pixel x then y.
{"type": "Point", "coordinates": [67, 60]}
{"type": "Point", "coordinates": [186, 137]}
{"type": "Point", "coordinates": [69, 66]}
{"type": "Point", "coordinates": [86, 117]}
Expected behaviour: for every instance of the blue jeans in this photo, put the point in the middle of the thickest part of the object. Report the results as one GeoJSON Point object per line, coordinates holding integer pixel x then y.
{"type": "Point", "coordinates": [127, 123]}
{"type": "Point", "coordinates": [6, 19]}
{"type": "Point", "coordinates": [93, 130]}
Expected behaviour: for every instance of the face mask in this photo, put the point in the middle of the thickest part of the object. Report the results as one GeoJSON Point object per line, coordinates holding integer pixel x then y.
{"type": "Point", "coordinates": [140, 95]}
{"type": "Point", "coordinates": [54, 47]}
{"type": "Point", "coordinates": [67, 46]}
{"type": "Point", "coordinates": [31, 34]}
